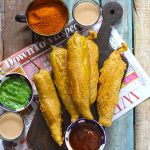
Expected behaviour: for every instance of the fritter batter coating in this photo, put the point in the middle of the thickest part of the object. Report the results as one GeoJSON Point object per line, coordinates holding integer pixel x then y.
{"type": "Point", "coordinates": [110, 80]}
{"type": "Point", "coordinates": [79, 73]}
{"type": "Point", "coordinates": [58, 58]}
{"type": "Point", "coordinates": [49, 104]}
{"type": "Point", "coordinates": [94, 72]}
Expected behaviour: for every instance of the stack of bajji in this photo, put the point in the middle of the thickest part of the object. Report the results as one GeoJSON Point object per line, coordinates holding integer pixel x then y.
{"type": "Point", "coordinates": [76, 76]}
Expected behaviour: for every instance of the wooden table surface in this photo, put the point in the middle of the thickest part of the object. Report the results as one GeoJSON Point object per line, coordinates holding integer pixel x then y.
{"type": "Point", "coordinates": [132, 130]}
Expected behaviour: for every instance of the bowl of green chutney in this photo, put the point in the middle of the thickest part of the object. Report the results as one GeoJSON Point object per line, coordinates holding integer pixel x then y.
{"type": "Point", "coordinates": [16, 92]}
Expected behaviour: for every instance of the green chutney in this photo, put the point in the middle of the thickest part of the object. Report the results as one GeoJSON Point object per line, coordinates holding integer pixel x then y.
{"type": "Point", "coordinates": [15, 92]}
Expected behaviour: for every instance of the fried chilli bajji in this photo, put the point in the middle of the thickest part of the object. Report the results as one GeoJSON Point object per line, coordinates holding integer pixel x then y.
{"type": "Point", "coordinates": [110, 80]}
{"type": "Point", "coordinates": [94, 72]}
{"type": "Point", "coordinates": [49, 104]}
{"type": "Point", "coordinates": [79, 73]}
{"type": "Point", "coordinates": [58, 58]}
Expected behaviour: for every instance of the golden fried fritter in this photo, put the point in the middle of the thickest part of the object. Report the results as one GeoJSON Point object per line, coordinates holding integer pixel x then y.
{"type": "Point", "coordinates": [49, 104]}
{"type": "Point", "coordinates": [94, 72]}
{"type": "Point", "coordinates": [79, 73]}
{"type": "Point", "coordinates": [58, 58]}
{"type": "Point", "coordinates": [110, 80]}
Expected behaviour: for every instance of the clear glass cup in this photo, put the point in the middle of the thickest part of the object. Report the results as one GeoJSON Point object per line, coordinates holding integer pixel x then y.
{"type": "Point", "coordinates": [21, 121]}
{"type": "Point", "coordinates": [94, 3]}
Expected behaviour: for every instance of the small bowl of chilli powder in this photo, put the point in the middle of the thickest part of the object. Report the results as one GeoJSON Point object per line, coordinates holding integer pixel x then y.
{"type": "Point", "coordinates": [47, 17]}
{"type": "Point", "coordinates": [16, 92]}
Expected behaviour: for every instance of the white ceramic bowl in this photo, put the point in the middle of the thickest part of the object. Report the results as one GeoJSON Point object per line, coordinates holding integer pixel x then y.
{"type": "Point", "coordinates": [83, 120]}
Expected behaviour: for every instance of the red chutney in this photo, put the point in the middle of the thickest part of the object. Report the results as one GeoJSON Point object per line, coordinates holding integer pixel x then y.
{"type": "Point", "coordinates": [85, 137]}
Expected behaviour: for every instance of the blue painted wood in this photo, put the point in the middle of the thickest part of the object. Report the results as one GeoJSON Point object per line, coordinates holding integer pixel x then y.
{"type": "Point", "coordinates": [121, 135]}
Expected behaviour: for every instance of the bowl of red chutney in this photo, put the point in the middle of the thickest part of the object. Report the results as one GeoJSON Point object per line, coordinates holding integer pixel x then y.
{"type": "Point", "coordinates": [85, 135]}
{"type": "Point", "coordinates": [16, 92]}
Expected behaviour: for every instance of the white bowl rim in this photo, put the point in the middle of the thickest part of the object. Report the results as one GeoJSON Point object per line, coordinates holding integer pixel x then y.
{"type": "Point", "coordinates": [72, 125]}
